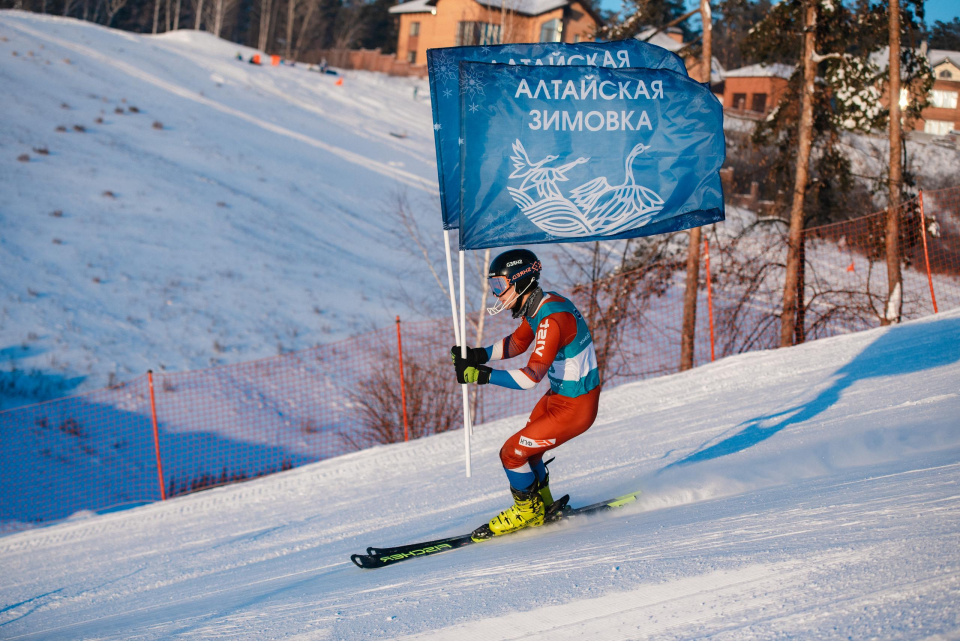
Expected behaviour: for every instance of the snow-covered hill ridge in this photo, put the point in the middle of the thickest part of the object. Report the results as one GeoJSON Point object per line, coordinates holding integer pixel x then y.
{"type": "Point", "coordinates": [195, 209]}
{"type": "Point", "coordinates": [799, 493]}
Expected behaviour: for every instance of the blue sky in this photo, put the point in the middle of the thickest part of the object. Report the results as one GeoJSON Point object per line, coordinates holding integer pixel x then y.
{"type": "Point", "coordinates": [945, 10]}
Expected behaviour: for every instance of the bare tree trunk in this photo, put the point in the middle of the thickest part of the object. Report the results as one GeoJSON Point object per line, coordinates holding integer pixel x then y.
{"type": "Point", "coordinates": [311, 8]}
{"type": "Point", "coordinates": [196, 21]}
{"type": "Point", "coordinates": [503, 16]}
{"type": "Point", "coordinates": [690, 301]}
{"type": "Point", "coordinates": [166, 20]}
{"type": "Point", "coordinates": [156, 15]}
{"type": "Point", "coordinates": [264, 25]}
{"type": "Point", "coordinates": [805, 138]}
{"type": "Point", "coordinates": [219, 9]}
{"type": "Point", "coordinates": [894, 304]}
{"type": "Point", "coordinates": [274, 18]}
{"type": "Point", "coordinates": [693, 255]}
{"type": "Point", "coordinates": [292, 6]}
{"type": "Point", "coordinates": [113, 7]}
{"type": "Point", "coordinates": [176, 17]}
{"type": "Point", "coordinates": [800, 326]}
{"type": "Point", "coordinates": [706, 64]}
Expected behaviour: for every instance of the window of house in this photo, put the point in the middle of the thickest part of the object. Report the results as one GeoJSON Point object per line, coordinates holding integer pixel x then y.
{"type": "Point", "coordinates": [943, 99]}
{"type": "Point", "coordinates": [550, 31]}
{"type": "Point", "coordinates": [412, 57]}
{"type": "Point", "coordinates": [946, 74]}
{"type": "Point", "coordinates": [938, 127]}
{"type": "Point", "coordinates": [471, 34]}
{"type": "Point", "coordinates": [414, 28]}
{"type": "Point", "coordinates": [739, 101]}
{"type": "Point", "coordinates": [759, 103]}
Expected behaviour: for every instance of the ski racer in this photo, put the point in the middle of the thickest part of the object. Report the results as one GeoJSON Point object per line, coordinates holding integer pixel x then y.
{"type": "Point", "coordinates": [562, 351]}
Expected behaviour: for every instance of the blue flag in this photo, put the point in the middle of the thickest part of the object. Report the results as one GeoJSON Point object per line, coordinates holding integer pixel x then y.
{"type": "Point", "coordinates": [569, 154]}
{"type": "Point", "coordinates": [445, 89]}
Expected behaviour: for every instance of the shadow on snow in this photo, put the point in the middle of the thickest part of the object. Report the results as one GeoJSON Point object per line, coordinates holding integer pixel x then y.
{"type": "Point", "coordinates": [906, 349]}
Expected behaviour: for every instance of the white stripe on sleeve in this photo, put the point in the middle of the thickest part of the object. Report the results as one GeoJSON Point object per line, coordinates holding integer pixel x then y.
{"type": "Point", "coordinates": [524, 381]}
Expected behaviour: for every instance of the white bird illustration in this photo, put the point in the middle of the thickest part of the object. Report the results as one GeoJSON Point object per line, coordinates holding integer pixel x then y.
{"type": "Point", "coordinates": [612, 208]}
{"type": "Point", "coordinates": [535, 175]}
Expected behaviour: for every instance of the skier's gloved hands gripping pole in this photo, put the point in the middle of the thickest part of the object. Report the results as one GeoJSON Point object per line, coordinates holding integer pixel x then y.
{"type": "Point", "coordinates": [471, 368]}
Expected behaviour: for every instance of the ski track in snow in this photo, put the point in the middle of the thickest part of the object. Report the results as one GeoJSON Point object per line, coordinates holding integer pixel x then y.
{"type": "Point", "coordinates": [839, 517]}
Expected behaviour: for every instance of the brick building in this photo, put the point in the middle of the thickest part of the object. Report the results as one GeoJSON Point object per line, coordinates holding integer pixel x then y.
{"type": "Point", "coordinates": [755, 89]}
{"type": "Point", "coordinates": [943, 114]}
{"type": "Point", "coordinates": [427, 24]}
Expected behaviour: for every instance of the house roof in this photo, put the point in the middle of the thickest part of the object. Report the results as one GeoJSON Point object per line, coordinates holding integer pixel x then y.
{"type": "Point", "coordinates": [939, 56]}
{"type": "Point", "coordinates": [414, 6]}
{"type": "Point", "coordinates": [661, 39]}
{"type": "Point", "coordinates": [775, 70]}
{"type": "Point", "coordinates": [527, 7]}
{"type": "Point", "coordinates": [935, 57]}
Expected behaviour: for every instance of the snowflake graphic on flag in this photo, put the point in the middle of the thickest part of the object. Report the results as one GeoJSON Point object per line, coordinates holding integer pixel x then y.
{"type": "Point", "coordinates": [444, 67]}
{"type": "Point", "coordinates": [471, 83]}
{"type": "Point", "coordinates": [474, 108]}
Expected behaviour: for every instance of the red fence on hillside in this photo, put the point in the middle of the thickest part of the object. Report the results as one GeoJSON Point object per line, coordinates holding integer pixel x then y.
{"type": "Point", "coordinates": [235, 422]}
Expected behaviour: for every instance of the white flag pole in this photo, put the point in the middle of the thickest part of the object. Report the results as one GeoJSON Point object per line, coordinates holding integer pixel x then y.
{"type": "Point", "coordinates": [453, 299]}
{"type": "Point", "coordinates": [463, 354]}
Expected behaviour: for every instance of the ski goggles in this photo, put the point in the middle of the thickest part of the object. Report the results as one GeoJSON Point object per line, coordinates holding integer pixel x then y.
{"type": "Point", "coordinates": [499, 285]}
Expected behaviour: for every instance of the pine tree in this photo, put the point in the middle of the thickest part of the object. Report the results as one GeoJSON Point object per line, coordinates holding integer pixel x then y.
{"type": "Point", "coordinates": [945, 35]}
{"type": "Point", "coordinates": [733, 20]}
{"type": "Point", "coordinates": [837, 87]}
{"type": "Point", "coordinates": [637, 15]}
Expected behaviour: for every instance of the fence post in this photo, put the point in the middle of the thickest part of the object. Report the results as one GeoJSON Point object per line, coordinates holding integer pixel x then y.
{"type": "Point", "coordinates": [706, 253]}
{"type": "Point", "coordinates": [403, 389]}
{"type": "Point", "coordinates": [926, 256]}
{"type": "Point", "coordinates": [156, 435]}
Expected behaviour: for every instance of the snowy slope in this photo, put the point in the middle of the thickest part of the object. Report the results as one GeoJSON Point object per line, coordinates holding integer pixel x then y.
{"type": "Point", "coordinates": [245, 226]}
{"type": "Point", "coordinates": [801, 493]}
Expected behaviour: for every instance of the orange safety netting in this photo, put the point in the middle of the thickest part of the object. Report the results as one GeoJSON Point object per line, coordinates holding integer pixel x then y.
{"type": "Point", "coordinates": [97, 450]}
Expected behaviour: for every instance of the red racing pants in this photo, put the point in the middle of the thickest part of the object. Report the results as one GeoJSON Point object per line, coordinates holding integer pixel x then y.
{"type": "Point", "coordinates": [555, 420]}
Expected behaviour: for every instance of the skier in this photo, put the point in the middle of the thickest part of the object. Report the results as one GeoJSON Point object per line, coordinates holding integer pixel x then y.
{"type": "Point", "coordinates": [563, 351]}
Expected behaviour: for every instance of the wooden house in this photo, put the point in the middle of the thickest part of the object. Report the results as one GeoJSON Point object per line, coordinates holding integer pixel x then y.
{"type": "Point", "coordinates": [427, 24]}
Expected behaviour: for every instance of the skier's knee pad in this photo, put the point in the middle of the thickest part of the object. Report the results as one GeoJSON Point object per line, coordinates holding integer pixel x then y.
{"type": "Point", "coordinates": [512, 456]}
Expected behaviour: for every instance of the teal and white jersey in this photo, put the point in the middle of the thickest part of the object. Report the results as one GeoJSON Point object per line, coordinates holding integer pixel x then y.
{"type": "Point", "coordinates": [574, 371]}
